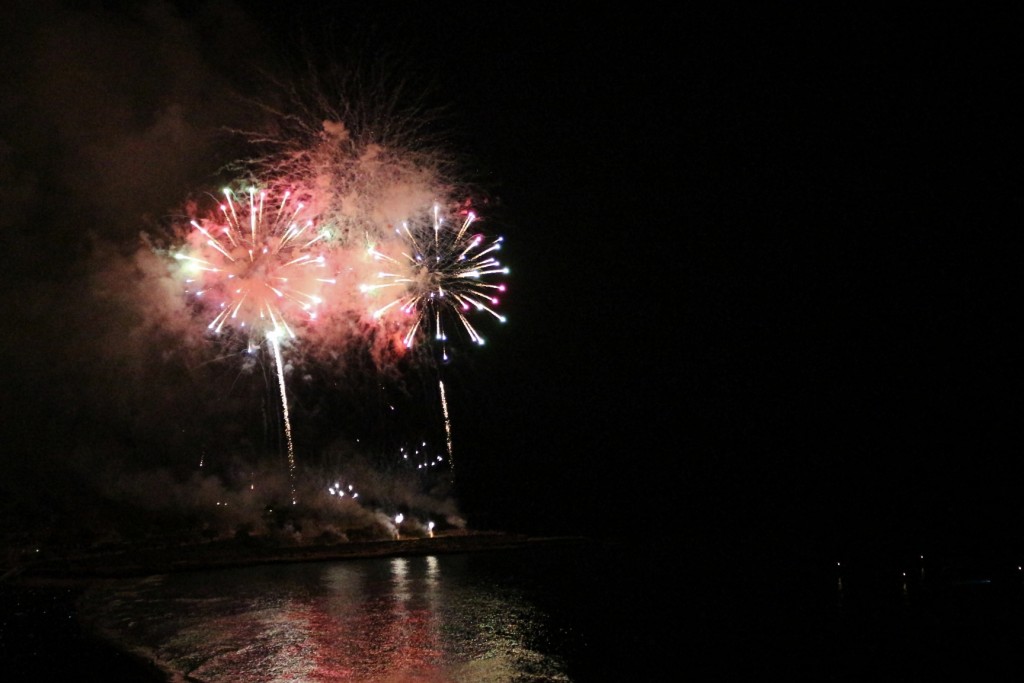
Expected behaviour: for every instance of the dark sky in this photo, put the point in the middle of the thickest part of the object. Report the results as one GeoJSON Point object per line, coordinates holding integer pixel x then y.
{"type": "Point", "coordinates": [763, 283]}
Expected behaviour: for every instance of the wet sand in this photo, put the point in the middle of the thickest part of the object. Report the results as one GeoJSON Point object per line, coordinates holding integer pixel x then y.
{"type": "Point", "coordinates": [41, 638]}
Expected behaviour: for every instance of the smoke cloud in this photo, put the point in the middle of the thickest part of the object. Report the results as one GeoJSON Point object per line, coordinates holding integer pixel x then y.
{"type": "Point", "coordinates": [116, 126]}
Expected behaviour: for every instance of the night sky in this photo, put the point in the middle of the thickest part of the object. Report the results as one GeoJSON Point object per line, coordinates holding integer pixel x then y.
{"type": "Point", "coordinates": [763, 284]}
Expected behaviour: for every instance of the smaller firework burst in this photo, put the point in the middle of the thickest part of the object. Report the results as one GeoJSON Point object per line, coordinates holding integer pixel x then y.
{"type": "Point", "coordinates": [342, 490]}
{"type": "Point", "coordinates": [419, 457]}
{"type": "Point", "coordinates": [436, 273]}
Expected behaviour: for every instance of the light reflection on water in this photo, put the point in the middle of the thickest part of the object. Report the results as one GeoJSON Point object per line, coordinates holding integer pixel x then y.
{"type": "Point", "coordinates": [434, 619]}
{"type": "Point", "coordinates": [566, 612]}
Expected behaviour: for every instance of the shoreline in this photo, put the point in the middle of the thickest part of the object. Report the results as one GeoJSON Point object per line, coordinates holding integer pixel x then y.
{"type": "Point", "coordinates": [134, 561]}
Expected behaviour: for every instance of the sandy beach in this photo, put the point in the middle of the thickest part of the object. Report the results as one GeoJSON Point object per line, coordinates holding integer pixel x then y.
{"type": "Point", "coordinates": [41, 638]}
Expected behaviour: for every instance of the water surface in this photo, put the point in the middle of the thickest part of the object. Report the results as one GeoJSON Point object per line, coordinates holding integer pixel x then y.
{"type": "Point", "coordinates": [572, 612]}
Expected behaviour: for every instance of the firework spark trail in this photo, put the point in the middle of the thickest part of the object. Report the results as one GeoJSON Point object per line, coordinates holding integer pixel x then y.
{"type": "Point", "coordinates": [447, 428]}
{"type": "Point", "coordinates": [284, 408]}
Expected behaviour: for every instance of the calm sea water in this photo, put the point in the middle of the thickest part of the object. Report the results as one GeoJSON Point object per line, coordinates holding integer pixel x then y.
{"type": "Point", "coordinates": [559, 612]}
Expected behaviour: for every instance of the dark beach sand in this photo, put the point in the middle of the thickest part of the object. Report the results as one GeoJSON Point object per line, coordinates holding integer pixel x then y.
{"type": "Point", "coordinates": [41, 638]}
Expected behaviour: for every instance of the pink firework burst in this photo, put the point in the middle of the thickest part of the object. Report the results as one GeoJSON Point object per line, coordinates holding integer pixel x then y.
{"type": "Point", "coordinates": [258, 264]}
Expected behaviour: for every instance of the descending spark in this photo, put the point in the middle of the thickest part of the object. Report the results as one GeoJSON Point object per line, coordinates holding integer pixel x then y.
{"type": "Point", "coordinates": [447, 428]}
{"type": "Point", "coordinates": [272, 337]}
{"type": "Point", "coordinates": [437, 272]}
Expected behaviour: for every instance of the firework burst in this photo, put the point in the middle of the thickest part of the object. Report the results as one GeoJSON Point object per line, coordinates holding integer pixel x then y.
{"type": "Point", "coordinates": [435, 275]}
{"type": "Point", "coordinates": [259, 264]}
